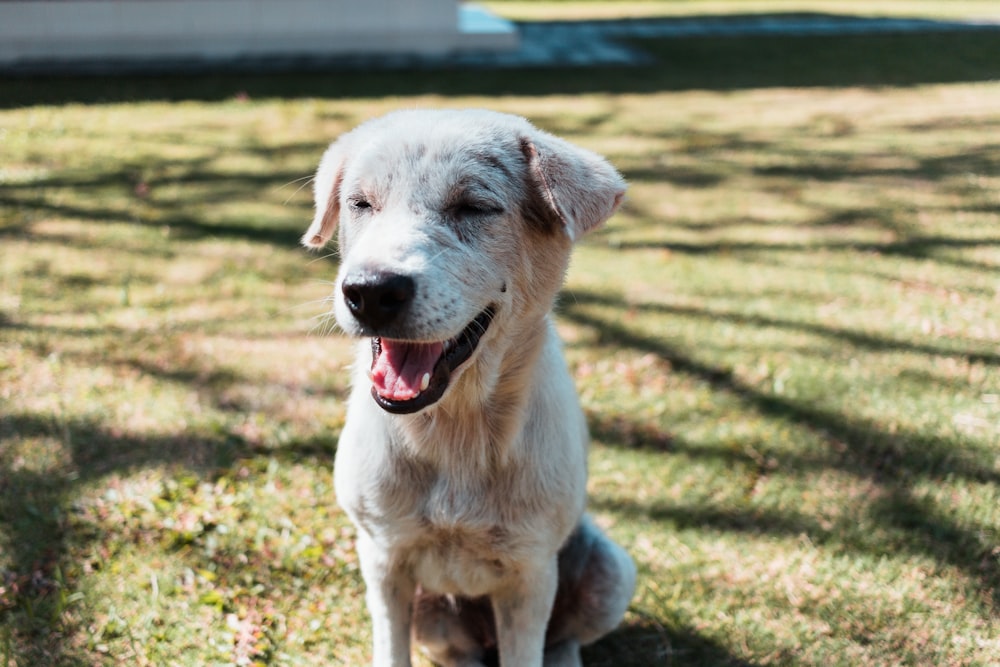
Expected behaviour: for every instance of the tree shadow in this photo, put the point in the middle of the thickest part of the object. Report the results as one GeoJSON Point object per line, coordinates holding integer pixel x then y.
{"type": "Point", "coordinates": [896, 219]}
{"type": "Point", "coordinates": [36, 510]}
{"type": "Point", "coordinates": [37, 513]}
{"type": "Point", "coordinates": [34, 585]}
{"type": "Point", "coordinates": [858, 339]}
{"type": "Point", "coordinates": [893, 459]}
{"type": "Point", "coordinates": [920, 248]}
{"type": "Point", "coordinates": [645, 641]}
{"type": "Point", "coordinates": [869, 444]}
{"type": "Point", "coordinates": [139, 199]}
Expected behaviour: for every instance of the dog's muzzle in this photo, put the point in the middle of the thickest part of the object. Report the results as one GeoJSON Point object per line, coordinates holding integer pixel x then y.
{"type": "Point", "coordinates": [408, 376]}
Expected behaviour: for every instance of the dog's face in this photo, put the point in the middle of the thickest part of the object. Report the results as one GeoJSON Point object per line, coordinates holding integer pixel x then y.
{"type": "Point", "coordinates": [452, 226]}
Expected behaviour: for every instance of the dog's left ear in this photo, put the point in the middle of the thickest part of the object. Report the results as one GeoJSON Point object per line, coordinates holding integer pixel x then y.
{"type": "Point", "coordinates": [326, 193]}
{"type": "Point", "coordinates": [577, 185]}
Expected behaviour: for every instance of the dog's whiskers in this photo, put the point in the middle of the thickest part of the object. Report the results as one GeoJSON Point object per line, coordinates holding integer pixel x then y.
{"type": "Point", "coordinates": [306, 304]}
{"type": "Point", "coordinates": [326, 325]}
{"type": "Point", "coordinates": [304, 181]}
{"type": "Point", "coordinates": [322, 257]}
{"type": "Point", "coordinates": [307, 177]}
{"type": "Point", "coordinates": [490, 314]}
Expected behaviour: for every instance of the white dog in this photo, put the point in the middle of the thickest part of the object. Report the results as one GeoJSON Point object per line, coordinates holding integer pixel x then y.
{"type": "Point", "coordinates": [463, 459]}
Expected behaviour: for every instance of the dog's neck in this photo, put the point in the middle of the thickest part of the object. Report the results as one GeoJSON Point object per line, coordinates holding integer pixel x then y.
{"type": "Point", "coordinates": [477, 424]}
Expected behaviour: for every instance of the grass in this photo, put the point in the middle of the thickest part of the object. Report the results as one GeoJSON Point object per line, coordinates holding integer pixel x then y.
{"type": "Point", "coordinates": [786, 344]}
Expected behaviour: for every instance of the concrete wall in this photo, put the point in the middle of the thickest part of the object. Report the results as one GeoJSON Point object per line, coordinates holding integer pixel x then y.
{"type": "Point", "coordinates": [53, 30]}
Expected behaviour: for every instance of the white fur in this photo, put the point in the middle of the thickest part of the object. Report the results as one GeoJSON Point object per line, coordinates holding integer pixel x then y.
{"type": "Point", "coordinates": [480, 495]}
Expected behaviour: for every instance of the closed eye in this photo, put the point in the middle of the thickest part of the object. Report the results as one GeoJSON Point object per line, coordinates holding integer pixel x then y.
{"type": "Point", "coordinates": [359, 204]}
{"type": "Point", "coordinates": [474, 209]}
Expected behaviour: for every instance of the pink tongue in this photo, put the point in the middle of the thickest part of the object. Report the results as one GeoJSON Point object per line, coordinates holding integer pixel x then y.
{"type": "Point", "coordinates": [400, 368]}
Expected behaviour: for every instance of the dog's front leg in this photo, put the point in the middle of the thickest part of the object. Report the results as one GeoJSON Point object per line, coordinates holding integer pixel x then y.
{"type": "Point", "coordinates": [389, 595]}
{"type": "Point", "coordinates": [522, 615]}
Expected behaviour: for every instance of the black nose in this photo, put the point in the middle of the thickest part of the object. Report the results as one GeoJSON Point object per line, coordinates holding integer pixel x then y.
{"type": "Point", "coordinates": [377, 299]}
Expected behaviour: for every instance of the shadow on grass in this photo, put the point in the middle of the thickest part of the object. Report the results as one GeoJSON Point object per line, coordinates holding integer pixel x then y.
{"type": "Point", "coordinates": [893, 460]}
{"type": "Point", "coordinates": [642, 640]}
{"type": "Point", "coordinates": [870, 446]}
{"type": "Point", "coordinates": [137, 193]}
{"type": "Point", "coordinates": [794, 168]}
{"type": "Point", "coordinates": [37, 507]}
{"type": "Point", "coordinates": [858, 339]}
{"type": "Point", "coordinates": [919, 247]}
{"type": "Point", "coordinates": [33, 588]}
{"type": "Point", "coordinates": [678, 63]}
{"type": "Point", "coordinates": [187, 215]}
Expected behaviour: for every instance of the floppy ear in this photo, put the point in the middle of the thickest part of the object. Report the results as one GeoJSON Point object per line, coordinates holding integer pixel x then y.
{"type": "Point", "coordinates": [326, 194]}
{"type": "Point", "coordinates": [577, 185]}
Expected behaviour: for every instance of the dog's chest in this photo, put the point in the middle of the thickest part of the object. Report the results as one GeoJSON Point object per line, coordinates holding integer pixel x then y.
{"type": "Point", "coordinates": [455, 539]}
{"type": "Point", "coordinates": [459, 561]}
{"type": "Point", "coordinates": [460, 543]}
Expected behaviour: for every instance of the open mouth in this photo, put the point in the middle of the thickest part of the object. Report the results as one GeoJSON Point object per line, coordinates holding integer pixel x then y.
{"type": "Point", "coordinates": [408, 376]}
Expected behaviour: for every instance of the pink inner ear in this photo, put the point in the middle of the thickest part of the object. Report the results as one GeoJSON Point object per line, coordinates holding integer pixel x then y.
{"type": "Point", "coordinates": [579, 186]}
{"type": "Point", "coordinates": [537, 170]}
{"type": "Point", "coordinates": [321, 230]}
{"type": "Point", "coordinates": [619, 198]}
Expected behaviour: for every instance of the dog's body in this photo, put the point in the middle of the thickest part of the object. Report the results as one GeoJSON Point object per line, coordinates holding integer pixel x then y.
{"type": "Point", "coordinates": [463, 460]}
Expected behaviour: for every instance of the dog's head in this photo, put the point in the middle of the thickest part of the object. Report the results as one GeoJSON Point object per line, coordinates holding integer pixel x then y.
{"type": "Point", "coordinates": [453, 225]}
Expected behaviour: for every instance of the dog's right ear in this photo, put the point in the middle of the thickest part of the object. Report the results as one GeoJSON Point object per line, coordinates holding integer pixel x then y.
{"type": "Point", "coordinates": [326, 194]}
{"type": "Point", "coordinates": [579, 187]}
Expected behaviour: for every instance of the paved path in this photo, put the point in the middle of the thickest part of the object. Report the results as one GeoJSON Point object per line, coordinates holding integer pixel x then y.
{"type": "Point", "coordinates": [607, 42]}
{"type": "Point", "coordinates": [567, 43]}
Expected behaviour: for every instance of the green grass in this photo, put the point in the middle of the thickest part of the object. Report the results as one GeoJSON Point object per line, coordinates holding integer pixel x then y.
{"type": "Point", "coordinates": [786, 343]}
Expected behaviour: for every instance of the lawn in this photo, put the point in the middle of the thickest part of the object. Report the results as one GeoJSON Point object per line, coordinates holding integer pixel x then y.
{"type": "Point", "coordinates": [787, 345]}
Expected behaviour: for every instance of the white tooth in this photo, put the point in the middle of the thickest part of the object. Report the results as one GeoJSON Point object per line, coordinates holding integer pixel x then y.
{"type": "Point", "coordinates": [425, 382]}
